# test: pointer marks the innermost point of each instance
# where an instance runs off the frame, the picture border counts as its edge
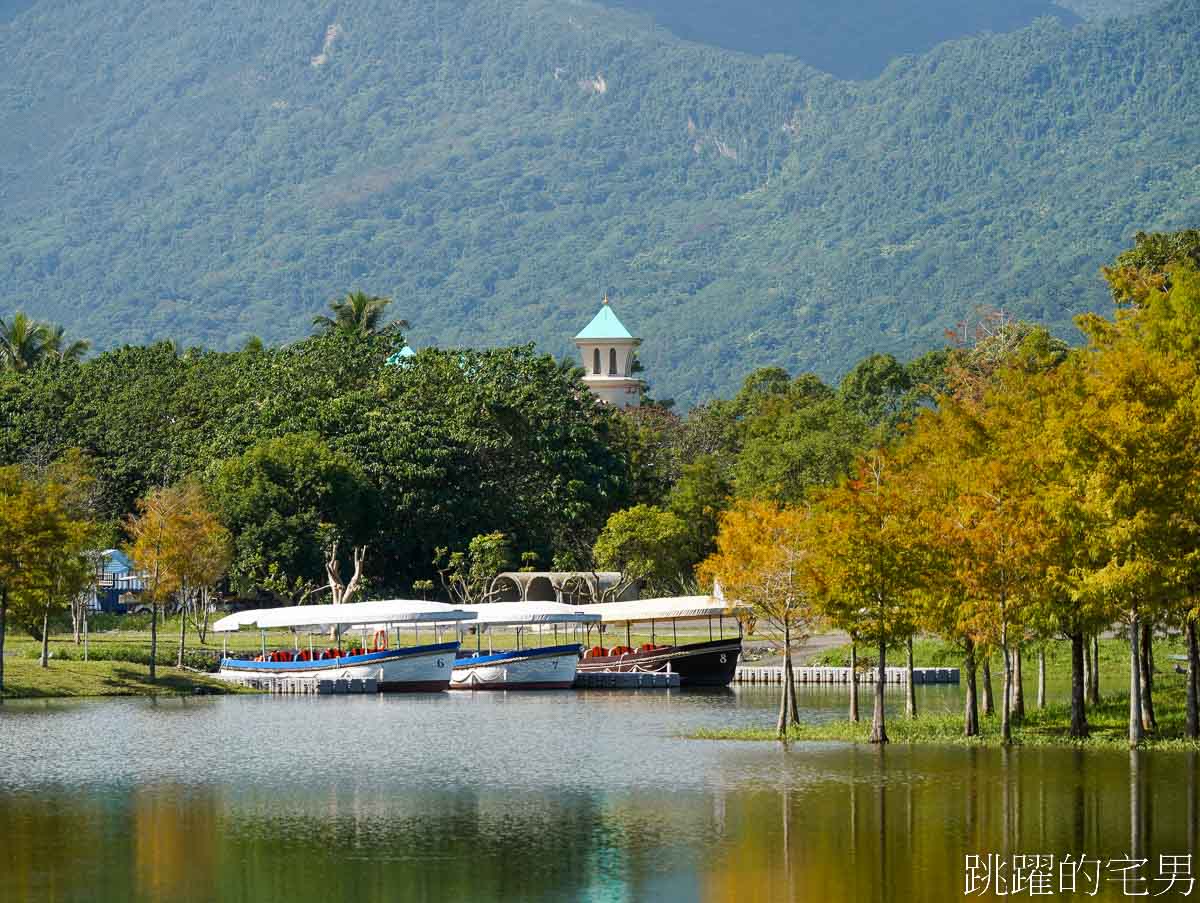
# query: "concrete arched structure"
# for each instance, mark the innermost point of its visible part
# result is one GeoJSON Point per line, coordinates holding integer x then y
{"type": "Point", "coordinates": [507, 589]}
{"type": "Point", "coordinates": [571, 587]}
{"type": "Point", "coordinates": [540, 589]}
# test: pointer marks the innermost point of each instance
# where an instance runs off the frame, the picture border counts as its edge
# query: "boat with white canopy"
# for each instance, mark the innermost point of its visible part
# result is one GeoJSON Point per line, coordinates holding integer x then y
{"type": "Point", "coordinates": [532, 665]}
{"type": "Point", "coordinates": [419, 667]}
{"type": "Point", "coordinates": [708, 663]}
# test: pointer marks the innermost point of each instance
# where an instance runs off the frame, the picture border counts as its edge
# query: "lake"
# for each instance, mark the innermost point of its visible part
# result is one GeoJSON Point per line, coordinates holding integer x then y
{"type": "Point", "coordinates": [588, 796]}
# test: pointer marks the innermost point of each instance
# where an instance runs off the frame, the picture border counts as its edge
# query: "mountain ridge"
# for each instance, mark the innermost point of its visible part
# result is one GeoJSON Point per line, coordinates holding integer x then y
{"type": "Point", "coordinates": [741, 211]}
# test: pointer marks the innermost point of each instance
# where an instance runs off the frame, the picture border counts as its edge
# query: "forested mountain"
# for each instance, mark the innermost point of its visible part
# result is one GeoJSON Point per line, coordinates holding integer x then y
{"type": "Point", "coordinates": [206, 171]}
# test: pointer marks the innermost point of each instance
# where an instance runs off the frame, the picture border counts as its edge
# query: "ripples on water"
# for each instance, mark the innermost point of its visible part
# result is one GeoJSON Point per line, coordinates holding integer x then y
{"type": "Point", "coordinates": [537, 796]}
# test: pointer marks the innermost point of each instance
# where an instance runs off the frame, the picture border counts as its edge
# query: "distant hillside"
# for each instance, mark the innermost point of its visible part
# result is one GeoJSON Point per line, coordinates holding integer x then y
{"type": "Point", "coordinates": [210, 170]}
{"type": "Point", "coordinates": [850, 39]}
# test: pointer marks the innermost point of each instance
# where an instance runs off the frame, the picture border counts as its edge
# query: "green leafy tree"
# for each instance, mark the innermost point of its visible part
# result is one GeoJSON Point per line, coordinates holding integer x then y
{"type": "Point", "coordinates": [469, 576]}
{"type": "Point", "coordinates": [796, 440]}
{"type": "Point", "coordinates": [358, 314]}
{"type": "Point", "coordinates": [644, 543]}
{"type": "Point", "coordinates": [698, 498]}
{"type": "Point", "coordinates": [286, 502]}
{"type": "Point", "coordinates": [22, 342]}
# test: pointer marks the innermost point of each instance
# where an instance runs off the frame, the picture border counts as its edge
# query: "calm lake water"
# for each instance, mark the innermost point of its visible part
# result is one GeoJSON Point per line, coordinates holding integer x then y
{"type": "Point", "coordinates": [525, 796]}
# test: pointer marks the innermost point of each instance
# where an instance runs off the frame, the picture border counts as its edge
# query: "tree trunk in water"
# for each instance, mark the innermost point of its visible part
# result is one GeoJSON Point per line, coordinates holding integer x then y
{"type": "Point", "coordinates": [153, 638]}
{"type": "Point", "coordinates": [1149, 722]}
{"type": "Point", "coordinates": [971, 711]}
{"type": "Point", "coordinates": [989, 704]}
{"type": "Point", "coordinates": [1193, 701]}
{"type": "Point", "coordinates": [878, 729]}
{"type": "Point", "coordinates": [1007, 690]}
{"type": "Point", "coordinates": [1041, 702]}
{"type": "Point", "coordinates": [1079, 725]}
{"type": "Point", "coordinates": [789, 674]}
{"type": "Point", "coordinates": [1135, 684]}
{"type": "Point", "coordinates": [781, 723]}
{"type": "Point", "coordinates": [46, 638]}
{"type": "Point", "coordinates": [1018, 695]}
{"type": "Point", "coordinates": [910, 693]}
{"type": "Point", "coordinates": [854, 683]}
{"type": "Point", "coordinates": [1094, 699]}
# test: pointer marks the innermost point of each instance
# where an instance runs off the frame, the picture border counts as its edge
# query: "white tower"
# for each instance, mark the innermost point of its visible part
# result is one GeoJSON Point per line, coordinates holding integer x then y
{"type": "Point", "coordinates": [607, 351]}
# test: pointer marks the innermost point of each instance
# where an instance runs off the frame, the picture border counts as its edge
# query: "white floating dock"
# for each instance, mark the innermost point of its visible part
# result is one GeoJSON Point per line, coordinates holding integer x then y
{"type": "Point", "coordinates": [309, 686]}
{"type": "Point", "coordinates": [818, 675]}
{"type": "Point", "coordinates": [625, 680]}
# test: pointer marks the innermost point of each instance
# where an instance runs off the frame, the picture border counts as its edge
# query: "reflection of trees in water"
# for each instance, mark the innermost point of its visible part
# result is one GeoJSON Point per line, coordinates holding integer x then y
{"type": "Point", "coordinates": [838, 824]}
{"type": "Point", "coordinates": [899, 824]}
{"type": "Point", "coordinates": [425, 844]}
{"type": "Point", "coordinates": [160, 843]}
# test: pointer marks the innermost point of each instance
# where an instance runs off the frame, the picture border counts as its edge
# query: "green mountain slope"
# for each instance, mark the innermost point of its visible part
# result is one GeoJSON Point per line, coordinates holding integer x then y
{"type": "Point", "coordinates": [209, 170]}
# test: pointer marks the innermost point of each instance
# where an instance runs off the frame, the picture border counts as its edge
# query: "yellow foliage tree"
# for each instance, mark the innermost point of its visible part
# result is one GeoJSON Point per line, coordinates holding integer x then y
{"type": "Point", "coordinates": [180, 547]}
{"type": "Point", "coordinates": [763, 561]}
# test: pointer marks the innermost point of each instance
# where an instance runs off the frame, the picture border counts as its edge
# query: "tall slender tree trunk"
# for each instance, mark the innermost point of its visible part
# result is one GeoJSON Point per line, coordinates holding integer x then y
{"type": "Point", "coordinates": [1041, 699]}
{"type": "Point", "coordinates": [1136, 732]}
{"type": "Point", "coordinates": [1018, 694]}
{"type": "Point", "coordinates": [854, 716]}
{"type": "Point", "coordinates": [781, 723]}
{"type": "Point", "coordinates": [1079, 724]}
{"type": "Point", "coordinates": [3, 628]}
{"type": "Point", "coordinates": [1094, 699]}
{"type": "Point", "coordinates": [910, 691]}
{"type": "Point", "coordinates": [989, 703]}
{"type": "Point", "coordinates": [971, 710]}
{"type": "Point", "coordinates": [790, 676]}
{"type": "Point", "coordinates": [153, 639]}
{"type": "Point", "coordinates": [1006, 694]}
{"type": "Point", "coordinates": [1149, 722]}
{"type": "Point", "coordinates": [45, 661]}
{"type": "Point", "coordinates": [1087, 668]}
{"type": "Point", "coordinates": [182, 628]}
{"type": "Point", "coordinates": [1193, 700]}
{"type": "Point", "coordinates": [878, 728]}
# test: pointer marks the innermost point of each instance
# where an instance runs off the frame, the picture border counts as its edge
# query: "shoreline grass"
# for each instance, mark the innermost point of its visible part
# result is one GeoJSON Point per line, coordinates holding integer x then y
{"type": "Point", "coordinates": [1108, 723]}
{"type": "Point", "coordinates": [24, 678]}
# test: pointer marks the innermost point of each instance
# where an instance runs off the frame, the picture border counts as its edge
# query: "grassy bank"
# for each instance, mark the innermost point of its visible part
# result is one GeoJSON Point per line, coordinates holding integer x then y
{"type": "Point", "coordinates": [118, 654]}
{"type": "Point", "coordinates": [24, 678]}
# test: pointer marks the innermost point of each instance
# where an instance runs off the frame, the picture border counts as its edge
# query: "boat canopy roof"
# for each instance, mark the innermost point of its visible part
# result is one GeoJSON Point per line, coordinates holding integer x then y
{"type": "Point", "coordinates": [322, 617]}
{"type": "Point", "coordinates": [674, 608]}
{"type": "Point", "coordinates": [532, 613]}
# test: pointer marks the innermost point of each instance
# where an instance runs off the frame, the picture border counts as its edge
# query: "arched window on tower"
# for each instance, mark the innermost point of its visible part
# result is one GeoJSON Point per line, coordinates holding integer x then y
{"type": "Point", "coordinates": [596, 361]}
{"type": "Point", "coordinates": [612, 361]}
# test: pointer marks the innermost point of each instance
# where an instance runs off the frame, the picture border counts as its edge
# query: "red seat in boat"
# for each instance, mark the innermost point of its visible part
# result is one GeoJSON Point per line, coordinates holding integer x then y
{"type": "Point", "coordinates": [595, 652]}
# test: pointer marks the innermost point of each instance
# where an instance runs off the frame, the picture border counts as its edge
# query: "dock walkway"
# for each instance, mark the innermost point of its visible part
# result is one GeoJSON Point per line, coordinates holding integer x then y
{"type": "Point", "coordinates": [747, 674]}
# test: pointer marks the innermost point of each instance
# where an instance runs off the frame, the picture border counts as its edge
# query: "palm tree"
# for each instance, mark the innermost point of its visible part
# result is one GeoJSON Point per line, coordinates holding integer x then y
{"type": "Point", "coordinates": [23, 342]}
{"type": "Point", "coordinates": [358, 314]}
{"type": "Point", "coordinates": [55, 345]}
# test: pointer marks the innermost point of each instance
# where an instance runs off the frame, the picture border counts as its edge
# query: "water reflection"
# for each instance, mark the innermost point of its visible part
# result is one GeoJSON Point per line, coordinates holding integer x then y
{"type": "Point", "coordinates": [538, 800]}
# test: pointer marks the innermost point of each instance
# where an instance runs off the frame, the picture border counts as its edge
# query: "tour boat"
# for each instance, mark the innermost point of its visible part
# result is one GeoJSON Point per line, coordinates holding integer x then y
{"type": "Point", "coordinates": [708, 663]}
{"type": "Point", "coordinates": [419, 667]}
{"type": "Point", "coordinates": [530, 666]}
